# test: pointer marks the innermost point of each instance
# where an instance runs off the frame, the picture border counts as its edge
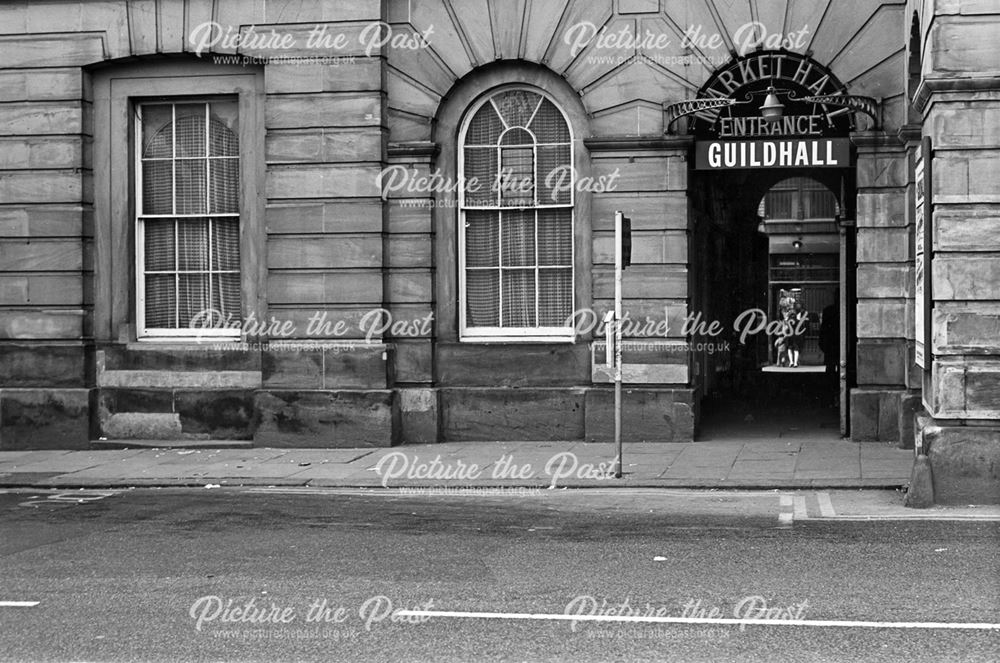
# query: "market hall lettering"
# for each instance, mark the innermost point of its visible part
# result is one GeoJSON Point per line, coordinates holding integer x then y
{"type": "Point", "coordinates": [773, 67]}
{"type": "Point", "coordinates": [792, 153]}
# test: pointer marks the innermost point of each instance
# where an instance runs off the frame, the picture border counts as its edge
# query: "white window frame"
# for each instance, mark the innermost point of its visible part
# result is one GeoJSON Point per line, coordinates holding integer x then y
{"type": "Point", "coordinates": [519, 334]}
{"type": "Point", "coordinates": [179, 333]}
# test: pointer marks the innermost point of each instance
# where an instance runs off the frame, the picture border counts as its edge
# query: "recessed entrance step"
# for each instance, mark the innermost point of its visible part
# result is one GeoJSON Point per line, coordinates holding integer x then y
{"type": "Point", "coordinates": [171, 444]}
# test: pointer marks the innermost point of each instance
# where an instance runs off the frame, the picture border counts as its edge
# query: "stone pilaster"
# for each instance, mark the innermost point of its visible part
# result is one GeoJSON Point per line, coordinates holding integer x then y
{"type": "Point", "coordinates": [884, 287]}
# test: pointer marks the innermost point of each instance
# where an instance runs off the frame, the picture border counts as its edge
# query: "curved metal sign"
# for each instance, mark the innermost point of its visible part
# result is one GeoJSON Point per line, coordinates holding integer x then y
{"type": "Point", "coordinates": [812, 100]}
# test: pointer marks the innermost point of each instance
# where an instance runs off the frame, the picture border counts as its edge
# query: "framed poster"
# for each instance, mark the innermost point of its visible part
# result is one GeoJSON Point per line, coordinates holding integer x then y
{"type": "Point", "coordinates": [923, 250]}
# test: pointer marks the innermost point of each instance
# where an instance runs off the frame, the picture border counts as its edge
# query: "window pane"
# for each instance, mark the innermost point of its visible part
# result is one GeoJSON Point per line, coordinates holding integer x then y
{"type": "Point", "coordinates": [518, 238]}
{"type": "Point", "coordinates": [820, 205]}
{"type": "Point", "coordinates": [223, 140]}
{"type": "Point", "coordinates": [482, 298]}
{"type": "Point", "coordinates": [192, 297]}
{"type": "Point", "coordinates": [555, 237]}
{"type": "Point", "coordinates": [517, 176]}
{"type": "Point", "coordinates": [549, 126]}
{"type": "Point", "coordinates": [226, 244]}
{"type": "Point", "coordinates": [517, 106]}
{"type": "Point", "coordinates": [157, 187]}
{"type": "Point", "coordinates": [555, 297]}
{"type": "Point", "coordinates": [555, 175]}
{"type": "Point", "coordinates": [482, 239]}
{"type": "Point", "coordinates": [224, 177]}
{"type": "Point", "coordinates": [517, 137]}
{"type": "Point", "coordinates": [480, 176]}
{"type": "Point", "coordinates": [779, 204]}
{"type": "Point", "coordinates": [161, 300]}
{"type": "Point", "coordinates": [189, 128]}
{"type": "Point", "coordinates": [157, 135]}
{"type": "Point", "coordinates": [159, 247]}
{"type": "Point", "coordinates": [226, 295]}
{"type": "Point", "coordinates": [518, 298]}
{"type": "Point", "coordinates": [192, 241]}
{"type": "Point", "coordinates": [485, 127]}
{"type": "Point", "coordinates": [191, 186]}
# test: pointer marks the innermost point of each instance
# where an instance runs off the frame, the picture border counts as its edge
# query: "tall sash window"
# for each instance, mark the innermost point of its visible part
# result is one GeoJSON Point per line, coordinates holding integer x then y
{"type": "Point", "coordinates": [516, 219]}
{"type": "Point", "coordinates": [188, 218]}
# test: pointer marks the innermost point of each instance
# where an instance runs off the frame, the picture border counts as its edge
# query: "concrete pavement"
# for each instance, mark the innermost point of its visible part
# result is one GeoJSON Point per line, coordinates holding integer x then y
{"type": "Point", "coordinates": [775, 463]}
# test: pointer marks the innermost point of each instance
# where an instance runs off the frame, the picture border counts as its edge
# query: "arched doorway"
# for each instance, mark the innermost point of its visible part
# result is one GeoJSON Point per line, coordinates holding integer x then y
{"type": "Point", "coordinates": [771, 187]}
{"type": "Point", "coordinates": [767, 247]}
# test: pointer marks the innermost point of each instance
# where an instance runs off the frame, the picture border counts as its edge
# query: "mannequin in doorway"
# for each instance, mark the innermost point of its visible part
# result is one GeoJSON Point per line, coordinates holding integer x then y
{"type": "Point", "coordinates": [799, 320]}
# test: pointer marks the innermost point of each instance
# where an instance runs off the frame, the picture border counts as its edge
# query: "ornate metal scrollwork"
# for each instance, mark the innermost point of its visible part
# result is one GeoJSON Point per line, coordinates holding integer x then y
{"type": "Point", "coordinates": [853, 102]}
{"type": "Point", "coordinates": [681, 108]}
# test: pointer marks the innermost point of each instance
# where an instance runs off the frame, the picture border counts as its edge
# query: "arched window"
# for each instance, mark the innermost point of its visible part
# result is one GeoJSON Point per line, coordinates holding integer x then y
{"type": "Point", "coordinates": [799, 199]}
{"type": "Point", "coordinates": [516, 219]}
{"type": "Point", "coordinates": [188, 217]}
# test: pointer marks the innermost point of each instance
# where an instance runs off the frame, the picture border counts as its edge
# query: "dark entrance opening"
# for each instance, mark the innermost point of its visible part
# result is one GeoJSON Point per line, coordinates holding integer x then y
{"type": "Point", "coordinates": [772, 190]}
{"type": "Point", "coordinates": [770, 264]}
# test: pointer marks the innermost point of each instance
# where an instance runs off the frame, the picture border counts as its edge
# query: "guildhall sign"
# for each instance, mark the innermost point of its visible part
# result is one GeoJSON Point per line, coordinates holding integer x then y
{"type": "Point", "coordinates": [741, 133]}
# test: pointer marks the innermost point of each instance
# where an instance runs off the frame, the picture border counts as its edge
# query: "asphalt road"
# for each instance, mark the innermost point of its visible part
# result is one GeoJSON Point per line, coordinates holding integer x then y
{"type": "Point", "coordinates": [234, 575]}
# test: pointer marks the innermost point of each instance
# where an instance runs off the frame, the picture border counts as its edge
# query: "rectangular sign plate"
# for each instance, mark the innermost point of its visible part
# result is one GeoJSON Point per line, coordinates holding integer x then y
{"type": "Point", "coordinates": [776, 153]}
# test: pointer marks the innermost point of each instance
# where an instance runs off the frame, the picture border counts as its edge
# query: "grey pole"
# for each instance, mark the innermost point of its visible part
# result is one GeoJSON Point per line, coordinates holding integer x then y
{"type": "Point", "coordinates": [618, 345]}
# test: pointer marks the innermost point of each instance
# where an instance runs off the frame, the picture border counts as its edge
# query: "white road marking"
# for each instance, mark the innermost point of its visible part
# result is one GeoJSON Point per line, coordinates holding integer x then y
{"type": "Point", "coordinates": [921, 516]}
{"type": "Point", "coordinates": [825, 505]}
{"type": "Point", "coordinates": [18, 604]}
{"type": "Point", "coordinates": [841, 623]}
{"type": "Point", "coordinates": [801, 512]}
{"type": "Point", "coordinates": [395, 490]}
{"type": "Point", "coordinates": [786, 517]}
{"type": "Point", "coordinates": [68, 498]}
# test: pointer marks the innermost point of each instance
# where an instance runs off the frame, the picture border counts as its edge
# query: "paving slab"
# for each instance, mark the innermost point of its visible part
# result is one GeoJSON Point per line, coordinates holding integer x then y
{"type": "Point", "coordinates": [317, 456]}
{"type": "Point", "coordinates": [884, 453]}
{"type": "Point", "coordinates": [74, 461]}
{"type": "Point", "coordinates": [815, 475]}
{"type": "Point", "coordinates": [764, 466]}
{"type": "Point", "coordinates": [26, 479]}
{"type": "Point", "coordinates": [227, 470]}
{"type": "Point", "coordinates": [756, 449]}
{"type": "Point", "coordinates": [26, 457]}
{"type": "Point", "coordinates": [885, 472]}
{"type": "Point", "coordinates": [327, 471]}
{"type": "Point", "coordinates": [6, 456]}
{"type": "Point", "coordinates": [665, 449]}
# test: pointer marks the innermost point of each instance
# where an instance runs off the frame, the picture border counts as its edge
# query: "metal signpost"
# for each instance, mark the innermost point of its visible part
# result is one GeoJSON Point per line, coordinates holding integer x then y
{"type": "Point", "coordinates": [623, 256]}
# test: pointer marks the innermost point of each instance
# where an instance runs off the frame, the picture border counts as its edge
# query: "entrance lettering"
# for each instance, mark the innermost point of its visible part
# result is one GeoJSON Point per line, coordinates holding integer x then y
{"type": "Point", "coordinates": [792, 125]}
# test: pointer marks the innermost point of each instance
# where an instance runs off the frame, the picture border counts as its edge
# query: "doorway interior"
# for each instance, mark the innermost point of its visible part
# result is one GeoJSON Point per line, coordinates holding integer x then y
{"type": "Point", "coordinates": [767, 263]}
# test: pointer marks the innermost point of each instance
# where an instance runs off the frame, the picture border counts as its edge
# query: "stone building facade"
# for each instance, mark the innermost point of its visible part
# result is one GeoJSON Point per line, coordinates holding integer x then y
{"type": "Point", "coordinates": [288, 167]}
